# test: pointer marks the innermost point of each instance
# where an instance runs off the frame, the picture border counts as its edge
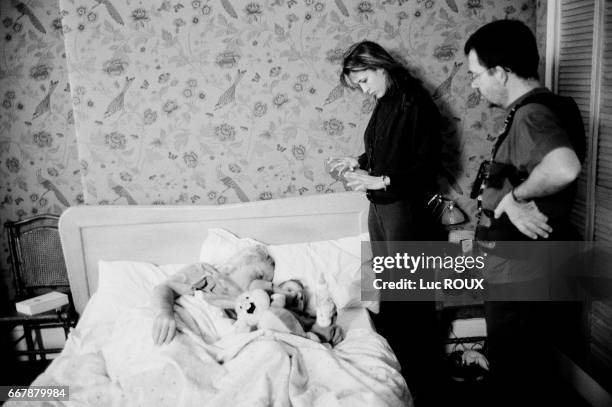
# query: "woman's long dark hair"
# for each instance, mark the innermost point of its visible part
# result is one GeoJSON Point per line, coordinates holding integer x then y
{"type": "Point", "coordinates": [370, 55]}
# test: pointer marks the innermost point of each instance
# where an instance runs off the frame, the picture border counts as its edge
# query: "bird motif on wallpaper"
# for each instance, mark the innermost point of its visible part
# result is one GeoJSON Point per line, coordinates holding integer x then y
{"type": "Point", "coordinates": [117, 103]}
{"type": "Point", "coordinates": [230, 183]}
{"type": "Point", "coordinates": [49, 186]}
{"type": "Point", "coordinates": [121, 192]}
{"type": "Point", "coordinates": [25, 10]}
{"type": "Point", "coordinates": [229, 8]}
{"type": "Point", "coordinates": [335, 94]}
{"type": "Point", "coordinates": [452, 5]}
{"type": "Point", "coordinates": [342, 8]}
{"type": "Point", "coordinates": [445, 86]}
{"type": "Point", "coordinates": [45, 104]}
{"type": "Point", "coordinates": [112, 11]}
{"type": "Point", "coordinates": [229, 96]}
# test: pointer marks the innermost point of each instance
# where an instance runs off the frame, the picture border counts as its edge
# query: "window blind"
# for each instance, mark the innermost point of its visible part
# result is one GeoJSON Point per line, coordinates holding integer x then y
{"type": "Point", "coordinates": [603, 185]}
{"type": "Point", "coordinates": [574, 77]}
{"type": "Point", "coordinates": [583, 70]}
{"type": "Point", "coordinates": [601, 325]}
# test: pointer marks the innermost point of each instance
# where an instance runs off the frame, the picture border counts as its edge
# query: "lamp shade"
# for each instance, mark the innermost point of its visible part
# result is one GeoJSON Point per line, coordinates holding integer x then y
{"type": "Point", "coordinates": [452, 215]}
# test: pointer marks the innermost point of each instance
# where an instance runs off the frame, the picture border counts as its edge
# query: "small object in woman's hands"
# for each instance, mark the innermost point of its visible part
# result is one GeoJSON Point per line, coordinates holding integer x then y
{"type": "Point", "coordinates": [357, 180]}
{"type": "Point", "coordinates": [330, 164]}
{"type": "Point", "coordinates": [337, 165]}
{"type": "Point", "coordinates": [349, 175]}
{"type": "Point", "coordinates": [336, 169]}
{"type": "Point", "coordinates": [355, 176]}
{"type": "Point", "coordinates": [341, 164]}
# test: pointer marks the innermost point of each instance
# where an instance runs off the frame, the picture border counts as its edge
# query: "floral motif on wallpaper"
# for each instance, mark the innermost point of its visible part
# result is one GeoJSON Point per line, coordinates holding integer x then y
{"type": "Point", "coordinates": [39, 166]}
{"type": "Point", "coordinates": [216, 101]}
{"type": "Point", "coordinates": [204, 102]}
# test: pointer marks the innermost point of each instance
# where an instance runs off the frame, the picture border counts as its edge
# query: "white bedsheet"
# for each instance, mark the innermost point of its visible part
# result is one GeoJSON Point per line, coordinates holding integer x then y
{"type": "Point", "coordinates": [118, 365]}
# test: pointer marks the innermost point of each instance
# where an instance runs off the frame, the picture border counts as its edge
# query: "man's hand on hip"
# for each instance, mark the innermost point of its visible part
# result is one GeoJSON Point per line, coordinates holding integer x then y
{"type": "Point", "coordinates": [525, 216]}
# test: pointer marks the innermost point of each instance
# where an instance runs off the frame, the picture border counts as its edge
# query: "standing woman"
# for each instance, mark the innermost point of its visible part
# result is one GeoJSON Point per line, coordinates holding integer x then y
{"type": "Point", "coordinates": [398, 172]}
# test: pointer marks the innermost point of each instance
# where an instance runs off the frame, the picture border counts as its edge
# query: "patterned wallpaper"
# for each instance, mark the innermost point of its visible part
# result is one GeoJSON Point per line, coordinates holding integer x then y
{"type": "Point", "coordinates": [216, 101]}
{"type": "Point", "coordinates": [207, 102]}
{"type": "Point", "coordinates": [39, 166]}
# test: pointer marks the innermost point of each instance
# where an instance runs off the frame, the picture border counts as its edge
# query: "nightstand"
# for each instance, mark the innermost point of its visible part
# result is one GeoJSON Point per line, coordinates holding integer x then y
{"type": "Point", "coordinates": [32, 327]}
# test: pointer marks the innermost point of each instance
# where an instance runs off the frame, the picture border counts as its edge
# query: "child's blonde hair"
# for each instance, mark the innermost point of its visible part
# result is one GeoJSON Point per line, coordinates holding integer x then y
{"type": "Point", "coordinates": [254, 261]}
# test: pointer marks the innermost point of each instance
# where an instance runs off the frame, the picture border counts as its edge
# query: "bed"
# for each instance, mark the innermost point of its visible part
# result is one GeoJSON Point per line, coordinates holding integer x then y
{"type": "Point", "coordinates": [116, 254]}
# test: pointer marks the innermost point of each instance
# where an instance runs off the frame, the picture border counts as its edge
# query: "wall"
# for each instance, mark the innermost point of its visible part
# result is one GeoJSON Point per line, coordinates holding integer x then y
{"type": "Point", "coordinates": [204, 102]}
{"type": "Point", "coordinates": [39, 167]}
{"type": "Point", "coordinates": [211, 102]}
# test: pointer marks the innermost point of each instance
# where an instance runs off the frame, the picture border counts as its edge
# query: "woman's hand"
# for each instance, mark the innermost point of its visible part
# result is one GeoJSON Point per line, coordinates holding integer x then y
{"type": "Point", "coordinates": [164, 328]}
{"type": "Point", "coordinates": [360, 181]}
{"type": "Point", "coordinates": [341, 164]}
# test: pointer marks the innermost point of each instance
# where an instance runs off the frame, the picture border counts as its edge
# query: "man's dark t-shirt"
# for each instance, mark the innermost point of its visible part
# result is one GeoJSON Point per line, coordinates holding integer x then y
{"type": "Point", "coordinates": [535, 131]}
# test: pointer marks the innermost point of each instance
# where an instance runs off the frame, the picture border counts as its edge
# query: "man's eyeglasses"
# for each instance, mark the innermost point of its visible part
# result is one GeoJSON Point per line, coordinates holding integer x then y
{"type": "Point", "coordinates": [474, 76]}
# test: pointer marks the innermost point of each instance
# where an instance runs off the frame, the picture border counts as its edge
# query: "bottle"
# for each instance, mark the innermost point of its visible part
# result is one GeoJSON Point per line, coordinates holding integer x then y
{"type": "Point", "coordinates": [326, 308]}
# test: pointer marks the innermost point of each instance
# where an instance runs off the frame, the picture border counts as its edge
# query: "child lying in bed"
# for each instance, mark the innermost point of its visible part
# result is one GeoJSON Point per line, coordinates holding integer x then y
{"type": "Point", "coordinates": [323, 326]}
{"type": "Point", "coordinates": [221, 285]}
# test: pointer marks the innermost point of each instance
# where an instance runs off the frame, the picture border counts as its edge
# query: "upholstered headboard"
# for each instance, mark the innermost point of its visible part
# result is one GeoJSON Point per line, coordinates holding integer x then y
{"type": "Point", "coordinates": [174, 234]}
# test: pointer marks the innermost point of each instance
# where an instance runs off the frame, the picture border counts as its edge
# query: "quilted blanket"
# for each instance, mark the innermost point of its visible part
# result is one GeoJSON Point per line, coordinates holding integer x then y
{"type": "Point", "coordinates": [210, 365]}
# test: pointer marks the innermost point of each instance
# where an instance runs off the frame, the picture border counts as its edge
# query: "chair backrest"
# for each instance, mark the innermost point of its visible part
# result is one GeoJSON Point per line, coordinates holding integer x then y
{"type": "Point", "coordinates": [36, 255]}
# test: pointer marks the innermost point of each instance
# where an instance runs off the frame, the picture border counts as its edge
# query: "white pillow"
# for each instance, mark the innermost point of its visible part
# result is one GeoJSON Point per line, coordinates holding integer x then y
{"type": "Point", "coordinates": [123, 285]}
{"type": "Point", "coordinates": [339, 260]}
{"type": "Point", "coordinates": [220, 245]}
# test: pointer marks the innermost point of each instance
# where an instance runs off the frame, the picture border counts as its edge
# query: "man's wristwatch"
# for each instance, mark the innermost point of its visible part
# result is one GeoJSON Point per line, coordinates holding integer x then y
{"type": "Point", "coordinates": [386, 181]}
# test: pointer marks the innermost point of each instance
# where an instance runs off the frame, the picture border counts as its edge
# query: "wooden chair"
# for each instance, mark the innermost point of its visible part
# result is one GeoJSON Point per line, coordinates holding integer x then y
{"type": "Point", "coordinates": [38, 267]}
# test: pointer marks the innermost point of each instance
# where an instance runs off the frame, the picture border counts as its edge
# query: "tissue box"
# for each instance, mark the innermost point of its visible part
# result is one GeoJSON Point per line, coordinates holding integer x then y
{"type": "Point", "coordinates": [42, 303]}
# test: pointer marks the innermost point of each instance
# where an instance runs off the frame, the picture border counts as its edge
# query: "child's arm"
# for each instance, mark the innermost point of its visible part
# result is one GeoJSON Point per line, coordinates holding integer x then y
{"type": "Point", "coordinates": [185, 281]}
{"type": "Point", "coordinates": [164, 325]}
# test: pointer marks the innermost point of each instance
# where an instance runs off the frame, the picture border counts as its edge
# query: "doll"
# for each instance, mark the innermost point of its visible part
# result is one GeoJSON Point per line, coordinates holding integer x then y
{"type": "Point", "coordinates": [284, 311]}
{"type": "Point", "coordinates": [256, 309]}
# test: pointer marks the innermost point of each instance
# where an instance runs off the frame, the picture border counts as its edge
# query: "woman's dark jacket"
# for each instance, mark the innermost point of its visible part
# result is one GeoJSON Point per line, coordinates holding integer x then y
{"type": "Point", "coordinates": [402, 141]}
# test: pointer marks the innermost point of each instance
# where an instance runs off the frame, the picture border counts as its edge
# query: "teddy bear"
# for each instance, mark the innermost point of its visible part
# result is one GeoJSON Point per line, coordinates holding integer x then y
{"type": "Point", "coordinates": [256, 309]}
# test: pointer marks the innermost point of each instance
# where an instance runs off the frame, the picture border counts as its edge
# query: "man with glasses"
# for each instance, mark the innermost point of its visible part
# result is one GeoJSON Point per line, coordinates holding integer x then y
{"type": "Point", "coordinates": [525, 191]}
